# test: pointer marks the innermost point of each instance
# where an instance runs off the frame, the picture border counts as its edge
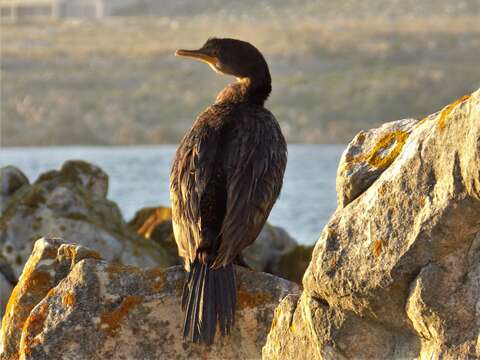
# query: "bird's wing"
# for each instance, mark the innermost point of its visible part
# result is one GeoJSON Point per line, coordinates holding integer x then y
{"type": "Point", "coordinates": [256, 156]}
{"type": "Point", "coordinates": [192, 169]}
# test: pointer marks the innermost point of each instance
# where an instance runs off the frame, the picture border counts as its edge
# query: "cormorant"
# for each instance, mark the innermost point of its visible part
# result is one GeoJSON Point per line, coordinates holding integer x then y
{"type": "Point", "coordinates": [226, 176]}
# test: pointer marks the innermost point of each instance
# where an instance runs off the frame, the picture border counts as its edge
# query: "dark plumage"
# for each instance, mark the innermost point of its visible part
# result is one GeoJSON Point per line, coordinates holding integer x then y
{"type": "Point", "coordinates": [227, 174]}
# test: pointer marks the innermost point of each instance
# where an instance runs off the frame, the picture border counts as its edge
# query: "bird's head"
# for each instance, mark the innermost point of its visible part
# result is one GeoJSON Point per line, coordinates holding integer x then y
{"type": "Point", "coordinates": [231, 57]}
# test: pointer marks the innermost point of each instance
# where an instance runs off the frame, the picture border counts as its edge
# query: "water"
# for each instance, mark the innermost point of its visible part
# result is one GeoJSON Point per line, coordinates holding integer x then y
{"type": "Point", "coordinates": [139, 178]}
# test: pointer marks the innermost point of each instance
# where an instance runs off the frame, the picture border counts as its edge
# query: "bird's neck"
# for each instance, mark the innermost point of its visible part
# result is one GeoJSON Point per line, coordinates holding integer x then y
{"type": "Point", "coordinates": [252, 90]}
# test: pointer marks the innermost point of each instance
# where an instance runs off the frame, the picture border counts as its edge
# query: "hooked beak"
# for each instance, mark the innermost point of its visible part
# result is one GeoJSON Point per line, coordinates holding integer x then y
{"type": "Point", "coordinates": [197, 54]}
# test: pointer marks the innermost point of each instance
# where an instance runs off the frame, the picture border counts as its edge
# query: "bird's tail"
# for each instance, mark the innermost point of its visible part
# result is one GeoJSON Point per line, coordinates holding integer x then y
{"type": "Point", "coordinates": [209, 296]}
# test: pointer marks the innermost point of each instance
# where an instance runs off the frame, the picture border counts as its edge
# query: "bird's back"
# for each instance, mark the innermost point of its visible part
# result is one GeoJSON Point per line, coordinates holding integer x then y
{"type": "Point", "coordinates": [239, 147]}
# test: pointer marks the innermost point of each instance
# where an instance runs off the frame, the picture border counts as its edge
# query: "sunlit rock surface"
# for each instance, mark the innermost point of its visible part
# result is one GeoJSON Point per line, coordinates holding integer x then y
{"type": "Point", "coordinates": [367, 156]}
{"type": "Point", "coordinates": [395, 273]}
{"type": "Point", "coordinates": [49, 263]}
{"type": "Point", "coordinates": [70, 304]}
{"type": "Point", "coordinates": [274, 251]}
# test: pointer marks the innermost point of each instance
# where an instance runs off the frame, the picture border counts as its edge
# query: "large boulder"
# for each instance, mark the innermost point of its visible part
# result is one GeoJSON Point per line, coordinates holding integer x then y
{"type": "Point", "coordinates": [274, 251]}
{"type": "Point", "coordinates": [395, 273]}
{"type": "Point", "coordinates": [68, 203]}
{"type": "Point", "coordinates": [71, 203]}
{"type": "Point", "coordinates": [70, 304]}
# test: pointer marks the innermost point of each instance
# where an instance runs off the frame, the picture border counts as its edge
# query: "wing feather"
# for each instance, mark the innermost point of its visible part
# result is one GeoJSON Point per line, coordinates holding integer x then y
{"type": "Point", "coordinates": [255, 162]}
{"type": "Point", "coordinates": [191, 171]}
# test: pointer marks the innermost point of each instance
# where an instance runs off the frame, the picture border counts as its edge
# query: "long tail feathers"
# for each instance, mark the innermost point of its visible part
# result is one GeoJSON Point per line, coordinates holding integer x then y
{"type": "Point", "coordinates": [209, 296]}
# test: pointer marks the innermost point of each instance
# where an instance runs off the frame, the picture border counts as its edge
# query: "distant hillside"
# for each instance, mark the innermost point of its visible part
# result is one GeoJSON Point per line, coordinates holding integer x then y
{"type": "Point", "coordinates": [336, 68]}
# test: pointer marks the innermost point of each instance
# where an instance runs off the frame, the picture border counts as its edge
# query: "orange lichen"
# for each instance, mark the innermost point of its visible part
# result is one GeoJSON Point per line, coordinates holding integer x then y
{"type": "Point", "coordinates": [114, 269]}
{"type": "Point", "coordinates": [377, 247]}
{"type": "Point", "coordinates": [391, 143]}
{"type": "Point", "coordinates": [248, 299]}
{"type": "Point", "coordinates": [447, 110]}
{"type": "Point", "coordinates": [382, 190]}
{"type": "Point", "coordinates": [68, 299]}
{"type": "Point", "coordinates": [33, 325]}
{"type": "Point", "coordinates": [112, 319]}
{"type": "Point", "coordinates": [422, 201]}
{"type": "Point", "coordinates": [274, 323]}
{"type": "Point", "coordinates": [159, 278]}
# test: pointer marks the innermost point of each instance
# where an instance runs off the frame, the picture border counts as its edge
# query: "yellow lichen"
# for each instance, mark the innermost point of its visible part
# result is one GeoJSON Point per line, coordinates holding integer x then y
{"type": "Point", "coordinates": [382, 153]}
{"type": "Point", "coordinates": [68, 299]}
{"type": "Point", "coordinates": [447, 110]}
{"type": "Point", "coordinates": [113, 318]}
{"type": "Point", "coordinates": [391, 143]}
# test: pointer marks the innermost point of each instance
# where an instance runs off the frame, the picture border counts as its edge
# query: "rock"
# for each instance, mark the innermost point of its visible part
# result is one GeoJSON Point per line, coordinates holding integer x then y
{"type": "Point", "coordinates": [86, 308]}
{"type": "Point", "coordinates": [88, 176]}
{"type": "Point", "coordinates": [155, 224]}
{"type": "Point", "coordinates": [274, 251]}
{"type": "Point", "coordinates": [71, 203]}
{"type": "Point", "coordinates": [395, 274]}
{"type": "Point", "coordinates": [11, 180]}
{"type": "Point", "coordinates": [367, 156]}
{"type": "Point", "coordinates": [50, 262]}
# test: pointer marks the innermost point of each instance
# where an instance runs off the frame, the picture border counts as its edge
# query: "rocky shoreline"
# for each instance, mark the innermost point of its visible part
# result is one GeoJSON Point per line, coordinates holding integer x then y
{"type": "Point", "coordinates": [395, 273]}
{"type": "Point", "coordinates": [71, 203]}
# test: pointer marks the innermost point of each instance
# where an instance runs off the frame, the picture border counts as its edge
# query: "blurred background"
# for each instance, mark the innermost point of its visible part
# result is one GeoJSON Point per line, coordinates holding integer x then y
{"type": "Point", "coordinates": [79, 75]}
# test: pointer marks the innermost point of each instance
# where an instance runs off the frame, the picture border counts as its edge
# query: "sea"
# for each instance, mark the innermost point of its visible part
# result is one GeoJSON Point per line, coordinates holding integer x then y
{"type": "Point", "coordinates": [139, 175]}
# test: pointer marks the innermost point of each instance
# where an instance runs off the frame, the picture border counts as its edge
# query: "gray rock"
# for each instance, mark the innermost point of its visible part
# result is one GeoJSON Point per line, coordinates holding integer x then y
{"type": "Point", "coordinates": [70, 203]}
{"type": "Point", "coordinates": [99, 310]}
{"type": "Point", "coordinates": [276, 252]}
{"type": "Point", "coordinates": [396, 273]}
{"type": "Point", "coordinates": [11, 180]}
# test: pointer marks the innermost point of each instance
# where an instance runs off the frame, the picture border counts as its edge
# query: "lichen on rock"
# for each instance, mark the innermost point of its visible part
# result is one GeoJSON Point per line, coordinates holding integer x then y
{"type": "Point", "coordinates": [69, 203]}
{"type": "Point", "coordinates": [368, 155]}
{"type": "Point", "coordinates": [92, 309]}
{"type": "Point", "coordinates": [395, 273]}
